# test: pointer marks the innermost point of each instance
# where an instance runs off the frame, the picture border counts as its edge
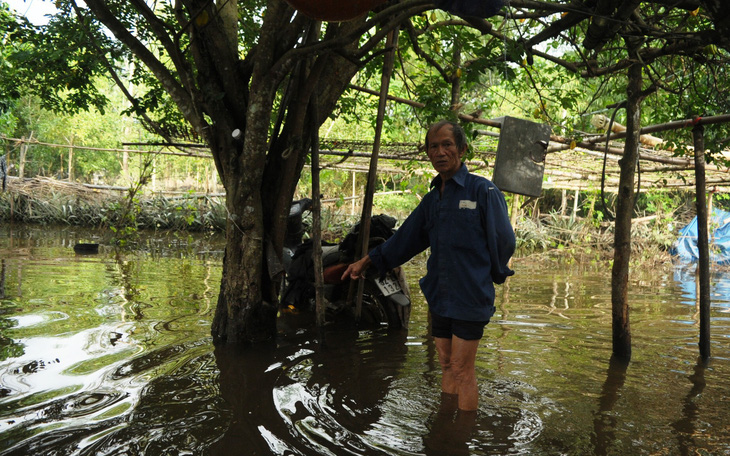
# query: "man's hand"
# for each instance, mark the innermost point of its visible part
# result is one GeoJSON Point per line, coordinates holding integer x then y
{"type": "Point", "coordinates": [357, 269]}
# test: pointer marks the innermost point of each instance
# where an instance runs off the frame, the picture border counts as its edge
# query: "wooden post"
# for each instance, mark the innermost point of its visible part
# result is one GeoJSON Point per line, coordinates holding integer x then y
{"type": "Point", "coordinates": [710, 195]}
{"type": "Point", "coordinates": [2, 278]}
{"type": "Point", "coordinates": [71, 160]}
{"type": "Point", "coordinates": [206, 173]}
{"type": "Point", "coordinates": [125, 167]}
{"type": "Point", "coordinates": [515, 209]}
{"type": "Point", "coordinates": [214, 178]}
{"type": "Point", "coordinates": [154, 175]}
{"type": "Point", "coordinates": [354, 194]}
{"type": "Point", "coordinates": [367, 205]}
{"type": "Point", "coordinates": [514, 214]}
{"type": "Point", "coordinates": [23, 151]}
{"type": "Point", "coordinates": [702, 241]}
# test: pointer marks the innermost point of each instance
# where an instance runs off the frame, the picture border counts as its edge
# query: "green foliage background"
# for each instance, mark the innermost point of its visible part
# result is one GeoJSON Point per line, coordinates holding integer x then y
{"type": "Point", "coordinates": [495, 77]}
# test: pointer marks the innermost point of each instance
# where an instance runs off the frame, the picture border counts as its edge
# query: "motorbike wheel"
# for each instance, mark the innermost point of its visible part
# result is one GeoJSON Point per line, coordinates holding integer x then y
{"type": "Point", "coordinates": [377, 309]}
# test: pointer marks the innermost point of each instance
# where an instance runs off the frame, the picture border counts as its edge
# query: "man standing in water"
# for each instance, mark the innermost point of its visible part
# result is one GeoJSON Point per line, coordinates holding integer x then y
{"type": "Point", "coordinates": [464, 220]}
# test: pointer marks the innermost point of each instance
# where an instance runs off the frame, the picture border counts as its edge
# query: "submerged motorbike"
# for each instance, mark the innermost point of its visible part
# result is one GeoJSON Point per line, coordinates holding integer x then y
{"type": "Point", "coordinates": [385, 297]}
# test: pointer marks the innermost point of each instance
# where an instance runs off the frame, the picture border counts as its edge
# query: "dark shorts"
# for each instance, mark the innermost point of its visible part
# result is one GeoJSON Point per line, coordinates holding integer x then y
{"type": "Point", "coordinates": [445, 327]}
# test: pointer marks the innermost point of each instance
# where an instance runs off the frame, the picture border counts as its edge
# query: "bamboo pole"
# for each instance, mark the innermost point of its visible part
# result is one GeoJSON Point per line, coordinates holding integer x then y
{"type": "Point", "coordinates": [317, 218]}
{"type": "Point", "coordinates": [601, 122]}
{"type": "Point", "coordinates": [557, 144]}
{"type": "Point", "coordinates": [673, 125]}
{"type": "Point", "coordinates": [702, 241]}
{"type": "Point", "coordinates": [24, 141]}
{"type": "Point", "coordinates": [367, 206]}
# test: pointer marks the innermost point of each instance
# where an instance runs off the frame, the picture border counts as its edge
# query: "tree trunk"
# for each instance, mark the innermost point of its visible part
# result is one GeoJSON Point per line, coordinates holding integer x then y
{"type": "Point", "coordinates": [242, 316]}
{"type": "Point", "coordinates": [218, 92]}
{"type": "Point", "coordinates": [624, 212]}
{"type": "Point", "coordinates": [261, 173]}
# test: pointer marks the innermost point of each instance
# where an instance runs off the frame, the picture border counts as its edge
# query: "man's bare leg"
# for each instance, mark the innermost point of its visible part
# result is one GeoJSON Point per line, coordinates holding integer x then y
{"type": "Point", "coordinates": [457, 358]}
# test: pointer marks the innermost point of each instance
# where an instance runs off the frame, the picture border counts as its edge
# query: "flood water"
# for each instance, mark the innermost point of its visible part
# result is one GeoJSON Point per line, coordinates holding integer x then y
{"type": "Point", "coordinates": [110, 354]}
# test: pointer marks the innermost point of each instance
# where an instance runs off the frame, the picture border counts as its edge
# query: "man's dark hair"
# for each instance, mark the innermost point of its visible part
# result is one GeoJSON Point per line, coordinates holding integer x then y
{"type": "Point", "coordinates": [456, 129]}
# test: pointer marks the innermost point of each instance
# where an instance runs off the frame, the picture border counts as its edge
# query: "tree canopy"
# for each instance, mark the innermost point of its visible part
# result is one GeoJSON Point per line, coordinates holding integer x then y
{"type": "Point", "coordinates": [567, 53]}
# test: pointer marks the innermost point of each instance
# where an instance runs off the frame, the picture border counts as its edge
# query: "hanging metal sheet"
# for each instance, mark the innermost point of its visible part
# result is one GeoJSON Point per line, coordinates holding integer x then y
{"type": "Point", "coordinates": [520, 161]}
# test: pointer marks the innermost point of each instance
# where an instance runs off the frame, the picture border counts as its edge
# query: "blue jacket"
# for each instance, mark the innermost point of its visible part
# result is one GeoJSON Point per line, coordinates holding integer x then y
{"type": "Point", "coordinates": [471, 241]}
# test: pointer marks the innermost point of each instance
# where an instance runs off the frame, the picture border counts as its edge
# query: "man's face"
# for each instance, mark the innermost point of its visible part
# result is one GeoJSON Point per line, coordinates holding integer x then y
{"type": "Point", "coordinates": [443, 153]}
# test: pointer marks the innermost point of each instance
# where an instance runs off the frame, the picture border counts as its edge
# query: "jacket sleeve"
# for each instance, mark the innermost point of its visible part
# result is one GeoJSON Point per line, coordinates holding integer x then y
{"type": "Point", "coordinates": [500, 234]}
{"type": "Point", "coordinates": [408, 241]}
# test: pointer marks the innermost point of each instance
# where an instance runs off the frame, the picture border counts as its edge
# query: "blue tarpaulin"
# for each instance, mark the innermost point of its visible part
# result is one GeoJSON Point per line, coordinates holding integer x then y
{"type": "Point", "coordinates": [686, 246]}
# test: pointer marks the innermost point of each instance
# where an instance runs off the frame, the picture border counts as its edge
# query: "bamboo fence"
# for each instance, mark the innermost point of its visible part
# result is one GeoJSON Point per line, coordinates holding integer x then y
{"type": "Point", "coordinates": [569, 165]}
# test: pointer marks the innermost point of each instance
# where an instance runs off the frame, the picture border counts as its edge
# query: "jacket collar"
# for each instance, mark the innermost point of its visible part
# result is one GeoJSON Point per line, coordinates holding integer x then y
{"type": "Point", "coordinates": [459, 177]}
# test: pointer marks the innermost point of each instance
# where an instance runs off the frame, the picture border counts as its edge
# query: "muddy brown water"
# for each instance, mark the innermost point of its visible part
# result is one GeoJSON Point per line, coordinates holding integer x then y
{"type": "Point", "coordinates": [110, 354]}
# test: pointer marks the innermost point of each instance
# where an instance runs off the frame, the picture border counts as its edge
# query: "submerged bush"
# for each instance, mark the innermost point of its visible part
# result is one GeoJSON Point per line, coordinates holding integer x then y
{"type": "Point", "coordinates": [46, 201]}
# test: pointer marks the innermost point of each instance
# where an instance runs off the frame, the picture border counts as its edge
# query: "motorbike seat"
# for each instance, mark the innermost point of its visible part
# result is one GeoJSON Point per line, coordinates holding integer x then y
{"type": "Point", "coordinates": [330, 255]}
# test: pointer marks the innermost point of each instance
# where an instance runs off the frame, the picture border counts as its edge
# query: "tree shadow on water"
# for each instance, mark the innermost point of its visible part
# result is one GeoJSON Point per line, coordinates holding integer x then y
{"type": "Point", "coordinates": [605, 422]}
{"type": "Point", "coordinates": [308, 394]}
{"type": "Point", "coordinates": [244, 378]}
{"type": "Point", "coordinates": [685, 426]}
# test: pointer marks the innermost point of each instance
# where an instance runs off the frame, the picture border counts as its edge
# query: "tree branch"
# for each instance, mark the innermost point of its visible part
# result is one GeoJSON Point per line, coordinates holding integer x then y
{"type": "Point", "coordinates": [162, 33]}
{"type": "Point", "coordinates": [413, 36]}
{"type": "Point", "coordinates": [385, 20]}
{"type": "Point", "coordinates": [167, 79]}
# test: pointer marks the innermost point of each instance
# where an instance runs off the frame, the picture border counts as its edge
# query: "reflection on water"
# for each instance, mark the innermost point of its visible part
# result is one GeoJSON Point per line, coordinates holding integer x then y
{"type": "Point", "coordinates": [110, 354]}
{"type": "Point", "coordinates": [685, 426]}
{"type": "Point", "coordinates": [605, 422]}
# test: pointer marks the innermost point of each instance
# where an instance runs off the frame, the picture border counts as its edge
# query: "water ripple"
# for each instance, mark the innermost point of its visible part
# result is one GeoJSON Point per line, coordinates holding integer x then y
{"type": "Point", "coordinates": [112, 356]}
